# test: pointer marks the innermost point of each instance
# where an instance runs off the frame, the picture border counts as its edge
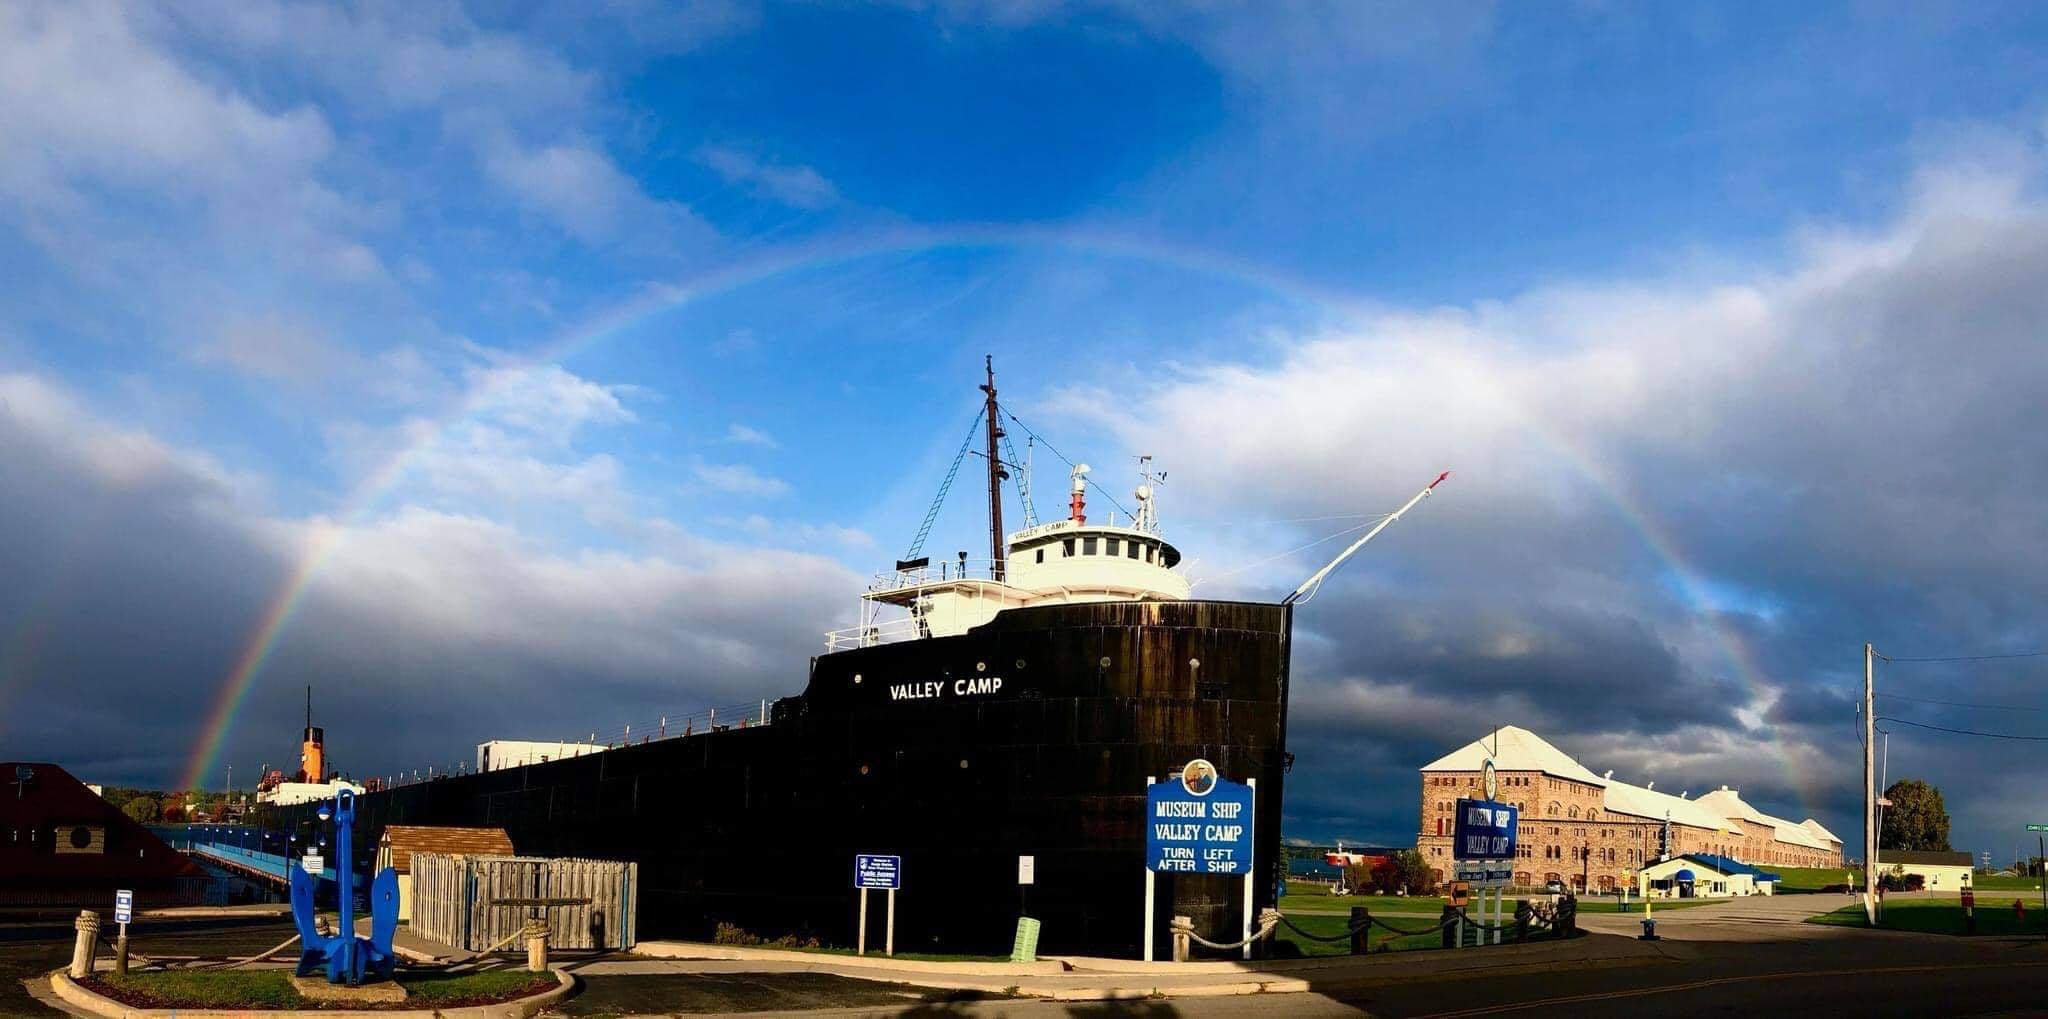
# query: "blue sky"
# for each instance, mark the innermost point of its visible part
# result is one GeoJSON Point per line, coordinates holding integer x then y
{"type": "Point", "coordinates": [671, 315]}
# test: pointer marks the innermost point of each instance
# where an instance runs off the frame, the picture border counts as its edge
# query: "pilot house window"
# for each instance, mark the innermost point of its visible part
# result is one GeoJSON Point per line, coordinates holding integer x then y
{"type": "Point", "coordinates": [1041, 555]}
{"type": "Point", "coordinates": [1087, 546]}
{"type": "Point", "coordinates": [1067, 548]}
{"type": "Point", "coordinates": [1131, 551]}
{"type": "Point", "coordinates": [1113, 549]}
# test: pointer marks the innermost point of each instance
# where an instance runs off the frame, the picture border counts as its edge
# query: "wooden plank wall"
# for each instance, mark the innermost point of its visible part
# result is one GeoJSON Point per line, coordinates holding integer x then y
{"type": "Point", "coordinates": [453, 896]}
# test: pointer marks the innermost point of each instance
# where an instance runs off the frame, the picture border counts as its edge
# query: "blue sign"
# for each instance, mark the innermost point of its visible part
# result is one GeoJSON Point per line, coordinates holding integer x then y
{"type": "Point", "coordinates": [1199, 822]}
{"type": "Point", "coordinates": [124, 906]}
{"type": "Point", "coordinates": [1485, 830]}
{"type": "Point", "coordinates": [877, 871]}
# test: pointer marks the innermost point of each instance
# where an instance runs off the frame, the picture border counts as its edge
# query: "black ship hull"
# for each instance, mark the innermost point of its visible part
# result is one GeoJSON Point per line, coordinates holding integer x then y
{"type": "Point", "coordinates": [1032, 735]}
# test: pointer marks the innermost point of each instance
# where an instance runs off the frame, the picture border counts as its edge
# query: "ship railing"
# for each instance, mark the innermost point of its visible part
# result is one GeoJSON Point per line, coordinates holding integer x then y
{"type": "Point", "coordinates": [652, 729]}
{"type": "Point", "coordinates": [872, 634]}
{"type": "Point", "coordinates": [932, 572]}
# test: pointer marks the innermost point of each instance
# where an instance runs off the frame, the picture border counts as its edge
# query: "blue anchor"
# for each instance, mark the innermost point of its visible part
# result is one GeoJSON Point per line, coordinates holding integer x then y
{"type": "Point", "coordinates": [346, 956]}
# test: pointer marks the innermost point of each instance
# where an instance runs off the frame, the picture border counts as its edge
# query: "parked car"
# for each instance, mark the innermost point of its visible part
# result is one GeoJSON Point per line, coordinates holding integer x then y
{"type": "Point", "coordinates": [1554, 887]}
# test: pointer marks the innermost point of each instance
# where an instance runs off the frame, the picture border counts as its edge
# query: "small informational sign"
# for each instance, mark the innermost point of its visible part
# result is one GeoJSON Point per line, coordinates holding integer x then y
{"type": "Point", "coordinates": [1199, 822]}
{"type": "Point", "coordinates": [872, 871]}
{"type": "Point", "coordinates": [124, 906]}
{"type": "Point", "coordinates": [1485, 830]}
{"type": "Point", "coordinates": [1485, 877]}
{"type": "Point", "coordinates": [2037, 827]}
{"type": "Point", "coordinates": [1027, 870]}
{"type": "Point", "coordinates": [315, 863]}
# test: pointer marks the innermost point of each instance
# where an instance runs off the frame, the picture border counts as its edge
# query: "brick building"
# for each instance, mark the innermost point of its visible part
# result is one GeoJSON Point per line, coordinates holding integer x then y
{"type": "Point", "coordinates": [1589, 831]}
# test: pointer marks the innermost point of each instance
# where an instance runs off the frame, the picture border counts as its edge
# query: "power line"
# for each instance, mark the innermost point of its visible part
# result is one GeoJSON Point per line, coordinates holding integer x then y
{"type": "Point", "coordinates": [1040, 439]}
{"type": "Point", "coordinates": [1970, 658]}
{"type": "Point", "coordinates": [1961, 704]}
{"type": "Point", "coordinates": [1962, 732]}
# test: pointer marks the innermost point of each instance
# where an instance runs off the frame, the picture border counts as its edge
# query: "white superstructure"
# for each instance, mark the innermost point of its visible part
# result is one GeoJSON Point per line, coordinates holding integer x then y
{"type": "Point", "coordinates": [1062, 561]}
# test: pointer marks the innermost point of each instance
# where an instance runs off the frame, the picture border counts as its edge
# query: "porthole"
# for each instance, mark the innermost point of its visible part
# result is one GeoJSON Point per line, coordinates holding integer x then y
{"type": "Point", "coordinates": [1020, 663]}
{"type": "Point", "coordinates": [1194, 663]}
{"type": "Point", "coordinates": [963, 762]}
{"type": "Point", "coordinates": [863, 769]}
{"type": "Point", "coordinates": [1104, 663]}
{"type": "Point", "coordinates": [981, 666]}
{"type": "Point", "coordinates": [81, 838]}
{"type": "Point", "coordinates": [856, 679]}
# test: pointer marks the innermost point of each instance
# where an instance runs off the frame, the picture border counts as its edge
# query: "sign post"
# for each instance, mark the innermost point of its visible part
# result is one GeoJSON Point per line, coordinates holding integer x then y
{"type": "Point", "coordinates": [1483, 854]}
{"type": "Point", "coordinates": [124, 911]}
{"type": "Point", "coordinates": [1151, 878]}
{"type": "Point", "coordinates": [1199, 823]}
{"type": "Point", "coordinates": [877, 871]}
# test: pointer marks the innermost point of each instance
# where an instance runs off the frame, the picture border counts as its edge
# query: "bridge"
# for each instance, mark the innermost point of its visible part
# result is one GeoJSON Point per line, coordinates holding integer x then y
{"type": "Point", "coordinates": [250, 862]}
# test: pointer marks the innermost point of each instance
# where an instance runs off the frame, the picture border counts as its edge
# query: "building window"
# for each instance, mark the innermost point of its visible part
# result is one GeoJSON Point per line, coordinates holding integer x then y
{"type": "Point", "coordinates": [1574, 812]}
{"type": "Point", "coordinates": [1087, 546]}
{"type": "Point", "coordinates": [1113, 549]}
{"type": "Point", "coordinates": [1553, 808]}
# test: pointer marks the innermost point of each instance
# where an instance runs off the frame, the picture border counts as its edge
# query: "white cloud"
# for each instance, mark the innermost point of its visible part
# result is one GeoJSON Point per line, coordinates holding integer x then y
{"type": "Point", "coordinates": [274, 349]}
{"type": "Point", "coordinates": [739, 479]}
{"type": "Point", "coordinates": [794, 185]}
{"type": "Point", "coordinates": [579, 188]}
{"type": "Point", "coordinates": [747, 436]}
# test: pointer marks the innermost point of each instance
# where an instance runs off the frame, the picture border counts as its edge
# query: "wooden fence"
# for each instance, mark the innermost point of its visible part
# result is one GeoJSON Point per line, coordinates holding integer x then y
{"type": "Point", "coordinates": [455, 899]}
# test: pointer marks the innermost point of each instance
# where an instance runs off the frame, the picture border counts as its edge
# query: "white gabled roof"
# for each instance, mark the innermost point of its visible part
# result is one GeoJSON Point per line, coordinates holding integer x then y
{"type": "Point", "coordinates": [1638, 801]}
{"type": "Point", "coordinates": [1815, 827]}
{"type": "Point", "coordinates": [1514, 748]}
{"type": "Point", "coordinates": [1726, 801]}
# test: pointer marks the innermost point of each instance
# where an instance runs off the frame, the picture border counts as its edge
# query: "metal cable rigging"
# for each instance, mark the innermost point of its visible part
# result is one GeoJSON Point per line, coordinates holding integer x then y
{"type": "Point", "coordinates": [931, 515]}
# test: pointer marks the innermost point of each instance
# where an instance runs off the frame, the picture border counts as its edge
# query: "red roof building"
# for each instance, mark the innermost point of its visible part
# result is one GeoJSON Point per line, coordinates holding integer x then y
{"type": "Point", "coordinates": [62, 845]}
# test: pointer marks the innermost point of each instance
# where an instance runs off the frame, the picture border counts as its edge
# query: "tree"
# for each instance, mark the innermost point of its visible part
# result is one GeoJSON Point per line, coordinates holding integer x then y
{"type": "Point", "coordinates": [144, 809]}
{"type": "Point", "coordinates": [174, 807]}
{"type": "Point", "coordinates": [1916, 819]}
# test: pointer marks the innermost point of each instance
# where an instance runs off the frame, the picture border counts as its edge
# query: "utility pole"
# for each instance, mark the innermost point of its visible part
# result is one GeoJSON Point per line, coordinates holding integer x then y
{"type": "Point", "coordinates": [996, 474]}
{"type": "Point", "coordinates": [1869, 793]}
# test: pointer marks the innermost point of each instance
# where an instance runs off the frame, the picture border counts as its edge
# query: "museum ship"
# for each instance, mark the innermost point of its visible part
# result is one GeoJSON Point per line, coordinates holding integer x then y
{"type": "Point", "coordinates": [979, 712]}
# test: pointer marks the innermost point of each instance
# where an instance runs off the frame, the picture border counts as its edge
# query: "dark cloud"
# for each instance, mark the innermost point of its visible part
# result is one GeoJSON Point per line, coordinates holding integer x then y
{"type": "Point", "coordinates": [142, 573]}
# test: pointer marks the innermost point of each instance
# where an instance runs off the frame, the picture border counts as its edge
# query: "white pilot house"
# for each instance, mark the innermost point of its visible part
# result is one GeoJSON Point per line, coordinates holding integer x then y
{"type": "Point", "coordinates": [1068, 560]}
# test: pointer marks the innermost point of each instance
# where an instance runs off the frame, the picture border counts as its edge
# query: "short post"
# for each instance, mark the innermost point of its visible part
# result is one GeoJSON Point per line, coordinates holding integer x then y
{"type": "Point", "coordinates": [121, 953]}
{"type": "Point", "coordinates": [1969, 912]}
{"type": "Point", "coordinates": [1523, 913]}
{"type": "Point", "coordinates": [1361, 930]}
{"type": "Point", "coordinates": [537, 945]}
{"type": "Point", "coordinates": [1182, 927]}
{"type": "Point", "coordinates": [1447, 922]}
{"type": "Point", "coordinates": [84, 948]}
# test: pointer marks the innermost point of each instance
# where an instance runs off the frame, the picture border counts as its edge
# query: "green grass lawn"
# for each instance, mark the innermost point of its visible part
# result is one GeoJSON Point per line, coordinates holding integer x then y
{"type": "Point", "coordinates": [1944, 916]}
{"type": "Point", "coordinates": [1812, 879]}
{"type": "Point", "coordinates": [1809, 879]}
{"type": "Point", "coordinates": [1432, 905]}
{"type": "Point", "coordinates": [272, 988]}
{"type": "Point", "coordinates": [1334, 926]}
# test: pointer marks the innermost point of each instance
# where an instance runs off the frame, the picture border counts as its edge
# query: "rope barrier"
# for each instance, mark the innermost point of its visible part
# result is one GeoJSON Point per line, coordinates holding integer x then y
{"type": "Point", "coordinates": [1268, 919]}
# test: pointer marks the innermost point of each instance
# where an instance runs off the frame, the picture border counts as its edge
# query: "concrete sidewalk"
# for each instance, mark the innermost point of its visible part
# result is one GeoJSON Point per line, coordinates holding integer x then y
{"type": "Point", "coordinates": [1096, 979]}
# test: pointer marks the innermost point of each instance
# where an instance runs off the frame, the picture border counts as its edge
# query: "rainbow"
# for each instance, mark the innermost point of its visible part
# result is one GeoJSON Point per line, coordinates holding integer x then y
{"type": "Point", "coordinates": [326, 535]}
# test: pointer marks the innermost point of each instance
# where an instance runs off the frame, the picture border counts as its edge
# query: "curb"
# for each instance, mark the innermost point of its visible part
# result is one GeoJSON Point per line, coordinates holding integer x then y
{"type": "Point", "coordinates": [78, 997]}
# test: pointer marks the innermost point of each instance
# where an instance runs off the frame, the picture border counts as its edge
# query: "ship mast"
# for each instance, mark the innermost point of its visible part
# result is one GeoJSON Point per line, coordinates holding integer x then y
{"type": "Point", "coordinates": [996, 474]}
